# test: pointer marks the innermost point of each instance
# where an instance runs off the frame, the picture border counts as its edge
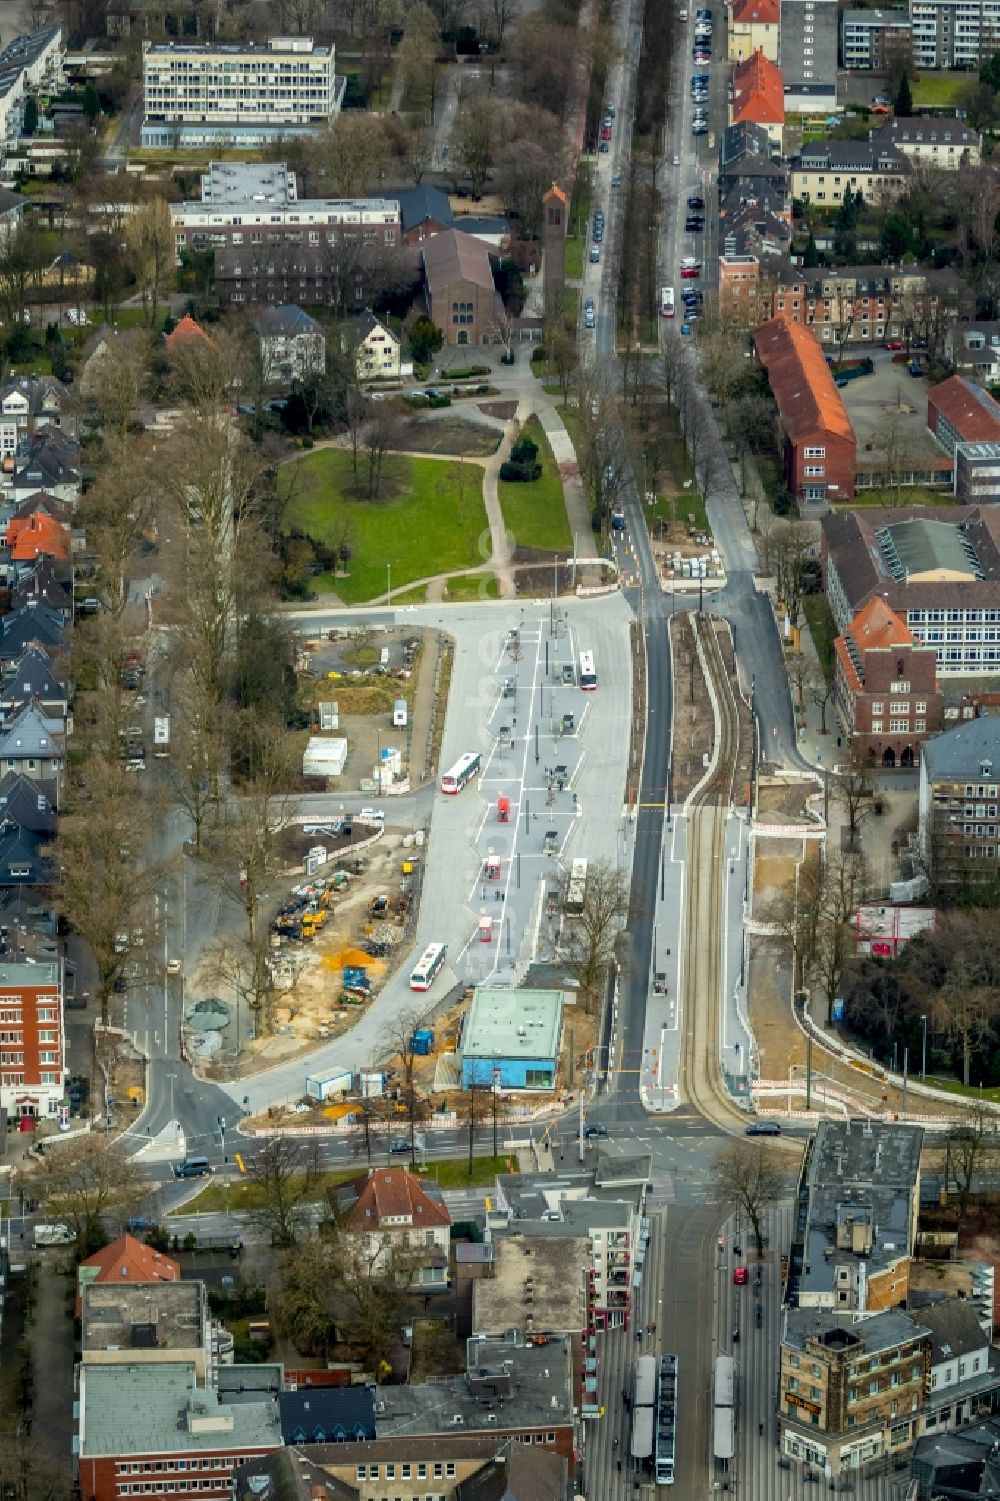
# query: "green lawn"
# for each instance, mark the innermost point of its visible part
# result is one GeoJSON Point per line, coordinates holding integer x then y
{"type": "Point", "coordinates": [237, 1193]}
{"type": "Point", "coordinates": [909, 495]}
{"type": "Point", "coordinates": [536, 513]}
{"type": "Point", "coordinates": [971, 1093]}
{"type": "Point", "coordinates": [576, 247]}
{"type": "Point", "coordinates": [938, 90]}
{"type": "Point", "coordinates": [431, 519]}
{"type": "Point", "coordinates": [472, 586]}
{"type": "Point", "coordinates": [822, 630]}
{"type": "Point", "coordinates": [415, 596]}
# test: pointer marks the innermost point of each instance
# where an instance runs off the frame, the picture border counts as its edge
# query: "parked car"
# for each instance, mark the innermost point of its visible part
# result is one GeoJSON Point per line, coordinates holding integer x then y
{"type": "Point", "coordinates": [740, 1276]}
{"type": "Point", "coordinates": [595, 254]}
{"type": "Point", "coordinates": [694, 226]}
{"type": "Point", "coordinates": [616, 181]}
{"type": "Point", "coordinates": [589, 318]}
{"type": "Point", "coordinates": [690, 273]}
{"type": "Point", "coordinates": [605, 148]}
{"type": "Point", "coordinates": [893, 344]}
{"type": "Point", "coordinates": [696, 202]}
{"type": "Point", "coordinates": [685, 328]}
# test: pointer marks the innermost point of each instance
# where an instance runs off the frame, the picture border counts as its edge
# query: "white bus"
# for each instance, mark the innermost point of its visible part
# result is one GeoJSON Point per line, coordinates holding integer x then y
{"type": "Point", "coordinates": [464, 769]}
{"type": "Point", "coordinates": [576, 888]}
{"type": "Point", "coordinates": [588, 672]}
{"type": "Point", "coordinates": [666, 302]}
{"type": "Point", "coordinates": [423, 974]}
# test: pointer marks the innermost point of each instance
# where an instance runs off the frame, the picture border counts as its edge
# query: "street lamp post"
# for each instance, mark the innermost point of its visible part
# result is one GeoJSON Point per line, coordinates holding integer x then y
{"type": "Point", "coordinates": [388, 583]}
{"type": "Point", "coordinates": [923, 1061]}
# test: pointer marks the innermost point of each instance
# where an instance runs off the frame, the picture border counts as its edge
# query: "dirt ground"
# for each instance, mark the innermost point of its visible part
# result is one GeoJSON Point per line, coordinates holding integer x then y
{"type": "Point", "coordinates": [782, 802]}
{"type": "Point", "coordinates": [451, 436]}
{"type": "Point", "coordinates": [504, 410]}
{"type": "Point", "coordinates": [772, 872]}
{"type": "Point", "coordinates": [126, 1072]}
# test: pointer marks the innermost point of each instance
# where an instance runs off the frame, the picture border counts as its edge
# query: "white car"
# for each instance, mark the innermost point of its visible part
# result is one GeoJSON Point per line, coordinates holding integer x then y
{"type": "Point", "coordinates": [173, 966]}
{"type": "Point", "coordinates": [370, 815]}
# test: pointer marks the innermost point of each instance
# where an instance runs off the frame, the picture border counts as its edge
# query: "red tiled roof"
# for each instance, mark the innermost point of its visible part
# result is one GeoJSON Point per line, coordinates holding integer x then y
{"type": "Point", "coordinates": [756, 12]}
{"type": "Point", "coordinates": [875, 625]}
{"type": "Point", "coordinates": [758, 91]}
{"type": "Point", "coordinates": [186, 331]}
{"type": "Point", "coordinates": [31, 536]}
{"type": "Point", "coordinates": [800, 380]}
{"type": "Point", "coordinates": [129, 1260]}
{"type": "Point", "coordinates": [391, 1193]}
{"type": "Point", "coordinates": [969, 409]}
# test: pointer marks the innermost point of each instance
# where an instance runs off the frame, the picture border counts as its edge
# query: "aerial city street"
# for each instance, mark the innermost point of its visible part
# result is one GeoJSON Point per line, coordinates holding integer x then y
{"type": "Point", "coordinates": [500, 714]}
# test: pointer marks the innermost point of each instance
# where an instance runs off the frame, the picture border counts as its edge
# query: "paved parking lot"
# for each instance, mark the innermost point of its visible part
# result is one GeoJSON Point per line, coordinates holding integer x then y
{"type": "Point", "coordinates": [889, 399]}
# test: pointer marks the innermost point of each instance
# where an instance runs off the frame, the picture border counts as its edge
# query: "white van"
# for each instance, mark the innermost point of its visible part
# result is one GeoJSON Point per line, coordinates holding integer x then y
{"type": "Point", "coordinates": [399, 714]}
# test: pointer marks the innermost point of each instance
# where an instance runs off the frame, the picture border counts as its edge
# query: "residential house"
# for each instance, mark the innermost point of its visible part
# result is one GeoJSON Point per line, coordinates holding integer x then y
{"type": "Point", "coordinates": [959, 826]}
{"type": "Point", "coordinates": [125, 1261]}
{"type": "Point", "coordinates": [154, 1423]}
{"type": "Point", "coordinates": [186, 332]}
{"type": "Point", "coordinates": [462, 298]}
{"type": "Point", "coordinates": [292, 345]}
{"type": "Point", "coordinates": [32, 744]}
{"type": "Point", "coordinates": [823, 171]}
{"type": "Point", "coordinates": [402, 1226]}
{"type": "Point", "coordinates": [858, 1197]}
{"type": "Point", "coordinates": [938, 142]}
{"type": "Point", "coordinates": [255, 207]}
{"type": "Point", "coordinates": [960, 1360]}
{"type": "Point", "coordinates": [29, 803]}
{"type": "Point", "coordinates": [31, 678]}
{"type": "Point", "coordinates": [377, 355]}
{"type": "Point", "coordinates": [753, 228]}
{"type": "Point", "coordinates": [32, 1050]}
{"type": "Point", "coordinates": [746, 152]}
{"type": "Point", "coordinates": [24, 860]}
{"type": "Point", "coordinates": [870, 39]}
{"type": "Point", "coordinates": [38, 502]}
{"type": "Point", "coordinates": [426, 211]}
{"type": "Point", "coordinates": [938, 567]}
{"type": "Point", "coordinates": [819, 450]}
{"type": "Point", "coordinates": [759, 97]}
{"type": "Point", "coordinates": [808, 56]}
{"type": "Point", "coordinates": [213, 94]}
{"type": "Point", "coordinates": [754, 26]}
{"type": "Point", "coordinates": [46, 581]}
{"type": "Point", "coordinates": [90, 372]}
{"type": "Point", "coordinates": [974, 349]}
{"type": "Point", "coordinates": [50, 462]}
{"type": "Point", "coordinates": [30, 402]}
{"type": "Point", "coordinates": [35, 536]}
{"type": "Point", "coordinates": [30, 622]}
{"type": "Point", "coordinates": [886, 695]}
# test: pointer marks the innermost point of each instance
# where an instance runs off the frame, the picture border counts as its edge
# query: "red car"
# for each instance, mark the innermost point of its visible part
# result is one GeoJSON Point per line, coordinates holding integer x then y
{"type": "Point", "coordinates": [893, 344]}
{"type": "Point", "coordinates": [689, 273]}
{"type": "Point", "coordinates": [741, 1276]}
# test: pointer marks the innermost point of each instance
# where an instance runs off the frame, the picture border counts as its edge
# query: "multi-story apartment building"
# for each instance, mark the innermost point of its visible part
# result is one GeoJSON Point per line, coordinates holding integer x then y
{"type": "Point", "coordinates": [253, 207]}
{"type": "Point", "coordinates": [937, 567]}
{"type": "Point", "coordinates": [868, 37]}
{"type": "Point", "coordinates": [850, 1393]}
{"type": "Point", "coordinates": [242, 95]}
{"type": "Point", "coordinates": [959, 34]}
{"type": "Point", "coordinates": [809, 55]}
{"type": "Point", "coordinates": [447, 1467]}
{"type": "Point", "coordinates": [32, 1049]}
{"type": "Point", "coordinates": [864, 304]}
{"type": "Point", "coordinates": [943, 143]}
{"type": "Point", "coordinates": [885, 691]}
{"type": "Point", "coordinates": [30, 64]}
{"type": "Point", "coordinates": [858, 1196]}
{"type": "Point", "coordinates": [959, 825]}
{"type": "Point", "coordinates": [854, 1390]}
{"type": "Point", "coordinates": [824, 170]}
{"type": "Point", "coordinates": [820, 450]}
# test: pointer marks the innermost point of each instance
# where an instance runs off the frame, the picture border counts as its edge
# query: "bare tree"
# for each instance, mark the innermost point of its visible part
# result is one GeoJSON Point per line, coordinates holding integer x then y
{"type": "Point", "coordinates": [285, 1179]}
{"type": "Point", "coordinates": [971, 1148]}
{"type": "Point", "coordinates": [748, 1179]}
{"type": "Point", "coordinates": [591, 935]}
{"type": "Point", "coordinates": [410, 1095]}
{"type": "Point", "coordinates": [474, 141]}
{"type": "Point", "coordinates": [853, 788]}
{"type": "Point", "coordinates": [117, 390]}
{"type": "Point", "coordinates": [353, 152]}
{"type": "Point", "coordinates": [790, 547]}
{"type": "Point", "coordinates": [80, 1182]}
{"type": "Point", "coordinates": [370, 1122]}
{"type": "Point", "coordinates": [118, 514]}
{"type": "Point", "coordinates": [381, 434]}
{"type": "Point", "coordinates": [150, 235]}
{"type": "Point", "coordinates": [965, 1008]}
